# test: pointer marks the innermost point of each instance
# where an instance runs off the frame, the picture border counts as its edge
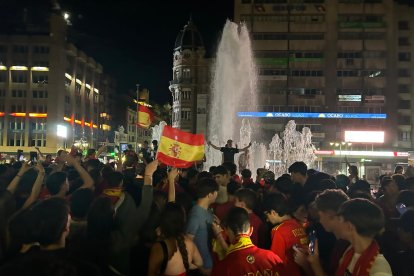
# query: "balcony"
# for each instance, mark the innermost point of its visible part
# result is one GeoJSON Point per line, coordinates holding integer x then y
{"type": "Point", "coordinates": [181, 81]}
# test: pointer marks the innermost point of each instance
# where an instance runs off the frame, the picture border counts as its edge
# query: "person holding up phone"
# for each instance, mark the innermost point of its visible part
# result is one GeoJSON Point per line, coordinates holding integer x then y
{"type": "Point", "coordinates": [33, 157]}
{"type": "Point", "coordinates": [327, 204]}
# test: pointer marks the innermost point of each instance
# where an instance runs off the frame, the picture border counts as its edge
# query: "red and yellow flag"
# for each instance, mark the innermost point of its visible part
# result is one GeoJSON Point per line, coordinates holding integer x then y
{"type": "Point", "coordinates": [180, 149]}
{"type": "Point", "coordinates": [145, 116]}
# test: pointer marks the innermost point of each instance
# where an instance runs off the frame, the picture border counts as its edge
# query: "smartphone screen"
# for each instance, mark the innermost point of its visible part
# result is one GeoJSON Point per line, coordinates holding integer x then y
{"type": "Point", "coordinates": [33, 157]}
{"type": "Point", "coordinates": [401, 208]}
{"type": "Point", "coordinates": [20, 155]}
{"type": "Point", "coordinates": [312, 240]}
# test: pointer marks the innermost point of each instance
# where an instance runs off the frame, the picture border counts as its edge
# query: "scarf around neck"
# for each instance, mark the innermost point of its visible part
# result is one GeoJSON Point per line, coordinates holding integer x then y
{"type": "Point", "coordinates": [241, 242]}
{"type": "Point", "coordinates": [364, 263]}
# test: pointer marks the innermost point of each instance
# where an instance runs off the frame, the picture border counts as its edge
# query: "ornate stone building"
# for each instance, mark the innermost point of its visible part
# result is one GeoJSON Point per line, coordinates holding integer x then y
{"type": "Point", "coordinates": [190, 83]}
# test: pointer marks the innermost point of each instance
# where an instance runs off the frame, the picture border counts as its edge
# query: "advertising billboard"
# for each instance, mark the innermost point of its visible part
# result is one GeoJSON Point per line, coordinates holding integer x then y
{"type": "Point", "coordinates": [364, 136]}
{"type": "Point", "coordinates": [312, 115]}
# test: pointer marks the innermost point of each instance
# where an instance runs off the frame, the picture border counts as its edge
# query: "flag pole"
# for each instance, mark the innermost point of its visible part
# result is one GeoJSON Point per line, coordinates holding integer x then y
{"type": "Point", "coordinates": [136, 123]}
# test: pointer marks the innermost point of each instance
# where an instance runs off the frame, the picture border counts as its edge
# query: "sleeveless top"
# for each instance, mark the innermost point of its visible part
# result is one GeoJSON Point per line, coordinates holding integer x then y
{"type": "Point", "coordinates": [165, 260]}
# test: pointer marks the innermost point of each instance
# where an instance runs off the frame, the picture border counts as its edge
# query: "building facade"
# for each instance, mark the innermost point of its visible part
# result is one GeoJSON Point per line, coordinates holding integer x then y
{"type": "Point", "coordinates": [51, 93]}
{"type": "Point", "coordinates": [339, 56]}
{"type": "Point", "coordinates": [342, 58]}
{"type": "Point", "coordinates": [190, 84]}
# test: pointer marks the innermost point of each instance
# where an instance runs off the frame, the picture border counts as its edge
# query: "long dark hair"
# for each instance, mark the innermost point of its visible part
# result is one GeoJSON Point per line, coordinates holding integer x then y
{"type": "Point", "coordinates": [172, 226]}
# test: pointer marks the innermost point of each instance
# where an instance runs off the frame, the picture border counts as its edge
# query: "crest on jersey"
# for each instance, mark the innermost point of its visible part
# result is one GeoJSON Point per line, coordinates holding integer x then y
{"type": "Point", "coordinates": [250, 259]}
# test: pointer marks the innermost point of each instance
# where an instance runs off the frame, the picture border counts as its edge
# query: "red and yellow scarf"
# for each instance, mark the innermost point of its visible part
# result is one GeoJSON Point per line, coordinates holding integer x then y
{"type": "Point", "coordinates": [364, 263]}
{"type": "Point", "coordinates": [241, 242]}
{"type": "Point", "coordinates": [113, 193]}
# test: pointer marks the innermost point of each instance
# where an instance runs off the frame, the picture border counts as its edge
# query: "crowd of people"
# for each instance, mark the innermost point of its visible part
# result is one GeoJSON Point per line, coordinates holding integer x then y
{"type": "Point", "coordinates": [74, 215]}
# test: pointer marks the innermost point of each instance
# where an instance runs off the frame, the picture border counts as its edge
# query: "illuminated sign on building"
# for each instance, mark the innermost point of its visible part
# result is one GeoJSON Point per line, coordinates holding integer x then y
{"type": "Point", "coordinates": [349, 98]}
{"type": "Point", "coordinates": [361, 153]}
{"type": "Point", "coordinates": [364, 136]}
{"type": "Point", "coordinates": [312, 115]}
{"type": "Point", "coordinates": [62, 131]}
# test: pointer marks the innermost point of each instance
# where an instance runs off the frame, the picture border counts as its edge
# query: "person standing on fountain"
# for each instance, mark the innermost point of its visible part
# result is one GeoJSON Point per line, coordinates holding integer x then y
{"type": "Point", "coordinates": [228, 150]}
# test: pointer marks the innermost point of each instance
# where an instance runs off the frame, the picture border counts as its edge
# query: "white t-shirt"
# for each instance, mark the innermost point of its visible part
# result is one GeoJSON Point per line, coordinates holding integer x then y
{"type": "Point", "coordinates": [379, 268]}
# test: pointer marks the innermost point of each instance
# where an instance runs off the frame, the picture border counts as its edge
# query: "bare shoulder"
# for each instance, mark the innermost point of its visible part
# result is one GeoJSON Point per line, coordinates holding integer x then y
{"type": "Point", "coordinates": [189, 243]}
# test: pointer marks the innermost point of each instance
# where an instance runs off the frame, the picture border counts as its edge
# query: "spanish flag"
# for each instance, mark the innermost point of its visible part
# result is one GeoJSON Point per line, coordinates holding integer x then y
{"type": "Point", "coordinates": [180, 149]}
{"type": "Point", "coordinates": [145, 116]}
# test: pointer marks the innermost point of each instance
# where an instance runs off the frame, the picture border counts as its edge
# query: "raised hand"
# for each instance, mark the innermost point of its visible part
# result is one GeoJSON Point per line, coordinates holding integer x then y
{"type": "Point", "coordinates": [39, 167]}
{"type": "Point", "coordinates": [64, 156]}
{"type": "Point", "coordinates": [172, 174]}
{"type": "Point", "coordinates": [151, 168]}
{"type": "Point", "coordinates": [25, 167]}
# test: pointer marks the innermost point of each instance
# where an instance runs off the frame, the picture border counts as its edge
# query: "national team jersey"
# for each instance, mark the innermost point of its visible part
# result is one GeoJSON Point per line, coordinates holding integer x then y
{"type": "Point", "coordinates": [284, 237]}
{"type": "Point", "coordinates": [221, 209]}
{"type": "Point", "coordinates": [244, 258]}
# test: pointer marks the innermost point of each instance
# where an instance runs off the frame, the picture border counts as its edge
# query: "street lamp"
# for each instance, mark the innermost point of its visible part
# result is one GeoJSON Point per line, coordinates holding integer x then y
{"type": "Point", "coordinates": [340, 145]}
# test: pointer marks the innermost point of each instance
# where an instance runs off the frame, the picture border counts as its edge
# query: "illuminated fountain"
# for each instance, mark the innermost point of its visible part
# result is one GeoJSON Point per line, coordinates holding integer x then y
{"type": "Point", "coordinates": [293, 146]}
{"type": "Point", "coordinates": [234, 85]}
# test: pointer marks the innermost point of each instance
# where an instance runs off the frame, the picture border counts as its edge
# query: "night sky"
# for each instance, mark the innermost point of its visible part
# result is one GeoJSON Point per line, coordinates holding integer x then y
{"type": "Point", "coordinates": [134, 40]}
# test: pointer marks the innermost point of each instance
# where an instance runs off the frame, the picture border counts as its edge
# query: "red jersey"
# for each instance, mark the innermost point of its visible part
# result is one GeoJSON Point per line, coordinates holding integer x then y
{"type": "Point", "coordinates": [244, 258]}
{"type": "Point", "coordinates": [221, 210]}
{"type": "Point", "coordinates": [284, 237]}
{"type": "Point", "coordinates": [257, 225]}
{"type": "Point", "coordinates": [237, 179]}
{"type": "Point", "coordinates": [247, 181]}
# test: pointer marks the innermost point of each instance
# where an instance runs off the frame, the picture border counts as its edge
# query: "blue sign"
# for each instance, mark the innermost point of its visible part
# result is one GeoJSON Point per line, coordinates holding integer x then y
{"type": "Point", "coordinates": [312, 115]}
